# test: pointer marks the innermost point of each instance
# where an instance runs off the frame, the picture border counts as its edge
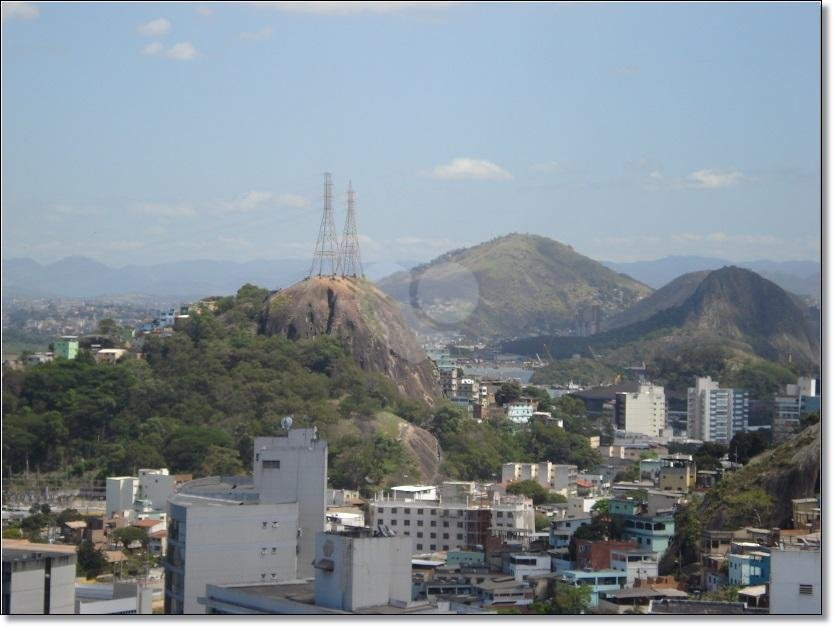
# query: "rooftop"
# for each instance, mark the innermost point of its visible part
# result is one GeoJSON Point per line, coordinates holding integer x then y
{"type": "Point", "coordinates": [17, 548]}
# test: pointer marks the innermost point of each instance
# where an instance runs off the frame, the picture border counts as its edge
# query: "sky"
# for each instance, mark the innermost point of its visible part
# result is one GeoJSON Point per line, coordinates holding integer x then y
{"type": "Point", "coordinates": [146, 133]}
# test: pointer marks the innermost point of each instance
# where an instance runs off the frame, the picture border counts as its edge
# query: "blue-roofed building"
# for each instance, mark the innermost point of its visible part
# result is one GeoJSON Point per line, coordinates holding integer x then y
{"type": "Point", "coordinates": [597, 580]}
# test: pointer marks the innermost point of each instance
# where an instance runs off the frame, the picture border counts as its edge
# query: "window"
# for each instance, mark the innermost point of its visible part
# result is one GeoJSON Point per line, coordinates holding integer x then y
{"type": "Point", "coordinates": [272, 463]}
{"type": "Point", "coordinates": [419, 547]}
{"type": "Point", "coordinates": [381, 510]}
{"type": "Point", "coordinates": [433, 512]}
{"type": "Point", "coordinates": [806, 588]}
{"type": "Point", "coordinates": [445, 547]}
{"type": "Point", "coordinates": [460, 525]}
{"type": "Point", "coordinates": [419, 523]}
{"type": "Point", "coordinates": [407, 510]}
{"type": "Point", "coordinates": [460, 536]}
{"type": "Point", "coordinates": [445, 536]}
{"type": "Point", "coordinates": [433, 547]}
{"type": "Point", "coordinates": [380, 521]}
{"type": "Point", "coordinates": [420, 511]}
{"type": "Point", "coordinates": [433, 523]}
{"type": "Point", "coordinates": [419, 534]}
{"type": "Point", "coordinates": [407, 522]}
{"type": "Point", "coordinates": [445, 523]}
{"type": "Point", "coordinates": [405, 533]}
{"type": "Point", "coordinates": [433, 535]}
{"type": "Point", "coordinates": [393, 510]}
{"type": "Point", "coordinates": [500, 514]}
{"type": "Point", "coordinates": [394, 522]}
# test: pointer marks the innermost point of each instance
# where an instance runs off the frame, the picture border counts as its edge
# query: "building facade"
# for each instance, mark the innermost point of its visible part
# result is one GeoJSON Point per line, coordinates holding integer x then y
{"type": "Point", "coordinates": [38, 578]}
{"type": "Point", "coordinates": [715, 414]}
{"type": "Point", "coordinates": [643, 411]}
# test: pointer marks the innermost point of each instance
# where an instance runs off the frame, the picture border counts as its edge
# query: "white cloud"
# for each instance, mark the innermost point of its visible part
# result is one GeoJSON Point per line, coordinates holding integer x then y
{"type": "Point", "coordinates": [547, 166]}
{"type": "Point", "coordinates": [236, 242]}
{"type": "Point", "coordinates": [260, 35]}
{"type": "Point", "coordinates": [153, 48]}
{"type": "Point", "coordinates": [18, 11]}
{"type": "Point", "coordinates": [182, 51]}
{"type": "Point", "coordinates": [169, 210]}
{"type": "Point", "coordinates": [73, 210]}
{"type": "Point", "coordinates": [204, 11]}
{"type": "Point", "coordinates": [154, 28]}
{"type": "Point", "coordinates": [713, 179]}
{"type": "Point", "coordinates": [256, 199]}
{"type": "Point", "coordinates": [346, 8]}
{"type": "Point", "coordinates": [466, 168]}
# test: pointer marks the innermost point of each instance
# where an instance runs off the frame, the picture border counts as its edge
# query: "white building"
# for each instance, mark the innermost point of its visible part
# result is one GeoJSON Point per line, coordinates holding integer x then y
{"type": "Point", "coordinates": [520, 411]}
{"type": "Point", "coordinates": [716, 414]}
{"type": "Point", "coordinates": [293, 469]}
{"type": "Point", "coordinates": [232, 530]}
{"type": "Point", "coordinates": [559, 478]}
{"type": "Point", "coordinates": [635, 563]}
{"type": "Point", "coordinates": [38, 578]}
{"type": "Point", "coordinates": [120, 598]}
{"type": "Point", "coordinates": [155, 485]}
{"type": "Point", "coordinates": [453, 525]}
{"type": "Point", "coordinates": [415, 492]}
{"type": "Point", "coordinates": [643, 411]}
{"type": "Point", "coordinates": [523, 565]}
{"type": "Point", "coordinates": [120, 493]}
{"type": "Point", "coordinates": [353, 573]}
{"type": "Point", "coordinates": [795, 581]}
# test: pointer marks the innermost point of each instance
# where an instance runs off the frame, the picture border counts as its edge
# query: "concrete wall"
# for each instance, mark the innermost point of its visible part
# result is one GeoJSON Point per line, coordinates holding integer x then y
{"type": "Point", "coordinates": [120, 494]}
{"type": "Point", "coordinates": [366, 571]}
{"type": "Point", "coordinates": [28, 586]}
{"type": "Point", "coordinates": [227, 544]}
{"type": "Point", "coordinates": [789, 569]}
{"type": "Point", "coordinates": [300, 477]}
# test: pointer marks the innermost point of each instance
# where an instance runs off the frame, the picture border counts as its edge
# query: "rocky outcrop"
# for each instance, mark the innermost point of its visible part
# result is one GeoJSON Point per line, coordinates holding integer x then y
{"type": "Point", "coordinates": [364, 320]}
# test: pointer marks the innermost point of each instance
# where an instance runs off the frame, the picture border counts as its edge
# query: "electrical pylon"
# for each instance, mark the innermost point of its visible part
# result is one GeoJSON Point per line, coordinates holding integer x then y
{"type": "Point", "coordinates": [325, 256]}
{"type": "Point", "coordinates": [350, 259]}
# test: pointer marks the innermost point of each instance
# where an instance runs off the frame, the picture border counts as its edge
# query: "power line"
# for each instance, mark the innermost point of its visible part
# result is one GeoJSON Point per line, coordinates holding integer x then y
{"type": "Point", "coordinates": [350, 259]}
{"type": "Point", "coordinates": [327, 246]}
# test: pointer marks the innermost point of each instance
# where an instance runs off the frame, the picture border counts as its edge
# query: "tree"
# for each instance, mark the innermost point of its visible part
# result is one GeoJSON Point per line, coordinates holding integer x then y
{"type": "Point", "coordinates": [567, 599]}
{"type": "Point", "coordinates": [542, 522]}
{"type": "Point", "coordinates": [222, 461]}
{"type": "Point", "coordinates": [68, 515]}
{"type": "Point", "coordinates": [91, 561]}
{"type": "Point", "coordinates": [129, 535]}
{"type": "Point", "coordinates": [108, 327]}
{"type": "Point", "coordinates": [508, 392]}
{"type": "Point", "coordinates": [529, 488]}
{"type": "Point", "coordinates": [745, 445]}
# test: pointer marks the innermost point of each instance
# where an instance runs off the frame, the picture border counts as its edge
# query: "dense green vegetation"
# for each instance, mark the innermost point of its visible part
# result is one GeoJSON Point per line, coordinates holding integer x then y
{"type": "Point", "coordinates": [583, 371]}
{"type": "Point", "coordinates": [196, 400]}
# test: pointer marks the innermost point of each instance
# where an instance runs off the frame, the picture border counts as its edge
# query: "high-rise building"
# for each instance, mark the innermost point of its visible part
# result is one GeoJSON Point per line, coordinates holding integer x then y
{"type": "Point", "coordinates": [716, 414]}
{"type": "Point", "coordinates": [643, 411]}
{"type": "Point", "coordinates": [248, 530]}
{"type": "Point", "coordinates": [38, 578]}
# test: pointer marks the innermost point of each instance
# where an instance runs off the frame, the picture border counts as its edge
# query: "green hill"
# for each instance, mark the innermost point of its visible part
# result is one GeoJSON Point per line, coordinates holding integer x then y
{"type": "Point", "coordinates": [524, 285]}
{"type": "Point", "coordinates": [732, 308]}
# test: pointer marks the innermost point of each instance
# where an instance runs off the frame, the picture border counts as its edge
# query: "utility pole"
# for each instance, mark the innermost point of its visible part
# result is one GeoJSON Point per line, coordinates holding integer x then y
{"type": "Point", "coordinates": [350, 260]}
{"type": "Point", "coordinates": [325, 255]}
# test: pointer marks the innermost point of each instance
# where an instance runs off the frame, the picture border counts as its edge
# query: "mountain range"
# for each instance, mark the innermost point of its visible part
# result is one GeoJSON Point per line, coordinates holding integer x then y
{"type": "Point", "coordinates": [799, 277]}
{"type": "Point", "coordinates": [81, 277]}
{"type": "Point", "coordinates": [733, 307]}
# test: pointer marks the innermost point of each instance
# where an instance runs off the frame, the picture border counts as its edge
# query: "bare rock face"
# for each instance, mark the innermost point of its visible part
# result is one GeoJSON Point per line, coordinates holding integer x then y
{"type": "Point", "coordinates": [364, 320]}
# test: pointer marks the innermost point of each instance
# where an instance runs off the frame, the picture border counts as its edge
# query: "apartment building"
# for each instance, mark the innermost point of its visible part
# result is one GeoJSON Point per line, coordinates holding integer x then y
{"type": "Point", "coordinates": [38, 578]}
{"type": "Point", "coordinates": [715, 414]}
{"type": "Point", "coordinates": [643, 411]}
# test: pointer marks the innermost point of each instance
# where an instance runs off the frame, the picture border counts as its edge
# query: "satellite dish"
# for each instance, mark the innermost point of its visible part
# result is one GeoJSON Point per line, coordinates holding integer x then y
{"type": "Point", "coordinates": [286, 422]}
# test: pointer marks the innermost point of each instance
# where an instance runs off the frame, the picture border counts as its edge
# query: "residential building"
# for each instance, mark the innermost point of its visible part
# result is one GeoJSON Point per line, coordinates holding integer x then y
{"type": "Point", "coordinates": [800, 399]}
{"type": "Point", "coordinates": [643, 411]}
{"type": "Point", "coordinates": [637, 564]}
{"type": "Point", "coordinates": [678, 473]}
{"type": "Point", "coordinates": [559, 478]}
{"type": "Point", "coordinates": [449, 378]}
{"type": "Point", "coordinates": [715, 414]}
{"type": "Point", "coordinates": [796, 580]}
{"type": "Point", "coordinates": [597, 580]}
{"type": "Point", "coordinates": [523, 565]}
{"type": "Point", "coordinates": [66, 347]}
{"type": "Point", "coordinates": [441, 525]}
{"type": "Point", "coordinates": [806, 513]}
{"type": "Point", "coordinates": [38, 578]}
{"type": "Point", "coordinates": [650, 532]}
{"type": "Point", "coordinates": [521, 411]}
{"type": "Point", "coordinates": [414, 492]}
{"type": "Point", "coordinates": [109, 355]}
{"type": "Point", "coordinates": [597, 554]}
{"type": "Point", "coordinates": [503, 591]}
{"type": "Point", "coordinates": [561, 531]}
{"type": "Point", "coordinates": [748, 565]}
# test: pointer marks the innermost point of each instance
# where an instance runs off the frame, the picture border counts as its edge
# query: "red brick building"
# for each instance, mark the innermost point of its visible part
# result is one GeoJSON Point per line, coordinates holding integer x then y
{"type": "Point", "coordinates": [597, 554]}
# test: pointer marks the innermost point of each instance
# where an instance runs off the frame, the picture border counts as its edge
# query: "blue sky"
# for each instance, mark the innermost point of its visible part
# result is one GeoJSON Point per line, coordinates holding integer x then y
{"type": "Point", "coordinates": [140, 133]}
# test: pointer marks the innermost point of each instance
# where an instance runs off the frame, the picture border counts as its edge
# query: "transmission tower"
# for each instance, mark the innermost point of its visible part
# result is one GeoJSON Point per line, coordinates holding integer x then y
{"type": "Point", "coordinates": [350, 260]}
{"type": "Point", "coordinates": [325, 256]}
